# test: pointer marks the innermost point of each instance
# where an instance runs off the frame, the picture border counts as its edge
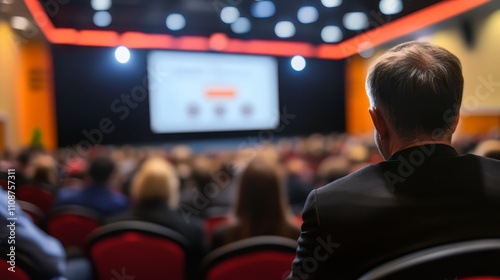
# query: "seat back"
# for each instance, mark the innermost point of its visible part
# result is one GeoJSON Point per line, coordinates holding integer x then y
{"type": "Point", "coordinates": [23, 266]}
{"type": "Point", "coordinates": [137, 249]}
{"type": "Point", "coordinates": [17, 274]}
{"type": "Point", "coordinates": [214, 217]}
{"type": "Point", "coordinates": [263, 257]}
{"type": "Point", "coordinates": [72, 224]}
{"type": "Point", "coordinates": [477, 259]}
{"type": "Point", "coordinates": [481, 278]}
{"type": "Point", "coordinates": [4, 184]}
{"type": "Point", "coordinates": [35, 213]}
{"type": "Point", "coordinates": [213, 222]}
{"type": "Point", "coordinates": [40, 196]}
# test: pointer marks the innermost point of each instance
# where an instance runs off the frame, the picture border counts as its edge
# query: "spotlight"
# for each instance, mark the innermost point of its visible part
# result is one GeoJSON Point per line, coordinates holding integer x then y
{"type": "Point", "coordinates": [122, 54]}
{"type": "Point", "coordinates": [298, 63]}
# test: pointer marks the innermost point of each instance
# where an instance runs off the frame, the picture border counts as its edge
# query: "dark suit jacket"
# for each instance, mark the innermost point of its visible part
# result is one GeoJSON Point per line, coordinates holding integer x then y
{"type": "Point", "coordinates": [420, 197]}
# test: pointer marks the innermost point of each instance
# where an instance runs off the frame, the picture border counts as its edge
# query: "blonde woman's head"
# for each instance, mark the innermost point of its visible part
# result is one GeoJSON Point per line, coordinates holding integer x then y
{"type": "Point", "coordinates": [156, 179]}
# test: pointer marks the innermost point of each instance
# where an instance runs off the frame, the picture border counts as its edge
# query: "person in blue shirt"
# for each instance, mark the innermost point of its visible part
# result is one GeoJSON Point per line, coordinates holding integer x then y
{"type": "Point", "coordinates": [97, 195]}
{"type": "Point", "coordinates": [44, 250]}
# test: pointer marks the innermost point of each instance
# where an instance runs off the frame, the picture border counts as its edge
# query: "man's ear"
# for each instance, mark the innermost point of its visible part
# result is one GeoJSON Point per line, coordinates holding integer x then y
{"type": "Point", "coordinates": [379, 122]}
{"type": "Point", "coordinates": [455, 124]}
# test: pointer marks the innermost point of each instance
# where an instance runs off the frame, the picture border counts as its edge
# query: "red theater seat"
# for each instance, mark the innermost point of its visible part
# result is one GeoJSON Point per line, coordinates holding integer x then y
{"type": "Point", "coordinates": [4, 184]}
{"type": "Point", "coordinates": [138, 249]}
{"type": "Point", "coordinates": [19, 273]}
{"type": "Point", "coordinates": [72, 225]}
{"type": "Point", "coordinates": [24, 269]}
{"type": "Point", "coordinates": [212, 223]}
{"type": "Point", "coordinates": [262, 257]}
{"type": "Point", "coordinates": [481, 278]}
{"type": "Point", "coordinates": [36, 215]}
{"type": "Point", "coordinates": [215, 217]}
{"type": "Point", "coordinates": [38, 195]}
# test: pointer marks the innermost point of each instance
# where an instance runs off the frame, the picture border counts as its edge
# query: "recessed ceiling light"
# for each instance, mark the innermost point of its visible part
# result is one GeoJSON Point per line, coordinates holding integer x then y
{"type": "Point", "coordinates": [331, 34]}
{"type": "Point", "coordinates": [102, 18]}
{"type": "Point", "coordinates": [175, 22]}
{"type": "Point", "coordinates": [229, 14]}
{"type": "Point", "coordinates": [390, 7]}
{"type": "Point", "coordinates": [331, 3]}
{"type": "Point", "coordinates": [284, 29]}
{"type": "Point", "coordinates": [307, 14]}
{"type": "Point", "coordinates": [100, 5]}
{"type": "Point", "coordinates": [241, 25]}
{"type": "Point", "coordinates": [355, 21]}
{"type": "Point", "coordinates": [263, 9]}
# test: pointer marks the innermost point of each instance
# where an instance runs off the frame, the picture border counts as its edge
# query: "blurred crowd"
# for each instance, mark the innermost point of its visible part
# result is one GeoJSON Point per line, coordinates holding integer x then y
{"type": "Point", "coordinates": [205, 177]}
{"type": "Point", "coordinates": [257, 189]}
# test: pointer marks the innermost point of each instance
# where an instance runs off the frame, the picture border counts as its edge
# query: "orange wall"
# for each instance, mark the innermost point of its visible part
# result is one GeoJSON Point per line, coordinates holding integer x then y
{"type": "Point", "coordinates": [357, 118]}
{"type": "Point", "coordinates": [477, 124]}
{"type": "Point", "coordinates": [8, 87]}
{"type": "Point", "coordinates": [26, 90]}
{"type": "Point", "coordinates": [35, 95]}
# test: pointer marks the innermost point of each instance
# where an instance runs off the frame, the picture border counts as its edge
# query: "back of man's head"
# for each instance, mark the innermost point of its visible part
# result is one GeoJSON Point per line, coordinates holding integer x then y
{"type": "Point", "coordinates": [100, 169]}
{"type": "Point", "coordinates": [418, 87]}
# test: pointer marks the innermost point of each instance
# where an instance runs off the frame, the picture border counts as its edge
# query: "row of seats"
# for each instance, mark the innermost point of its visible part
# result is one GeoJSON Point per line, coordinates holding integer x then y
{"type": "Point", "coordinates": [72, 224]}
{"type": "Point", "coordinates": [150, 250]}
{"type": "Point", "coordinates": [135, 249]}
{"type": "Point", "coordinates": [144, 250]}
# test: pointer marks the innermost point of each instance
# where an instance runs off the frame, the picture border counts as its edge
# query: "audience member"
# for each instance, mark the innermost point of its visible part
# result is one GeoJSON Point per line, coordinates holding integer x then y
{"type": "Point", "coordinates": [261, 207]}
{"type": "Point", "coordinates": [155, 195]}
{"type": "Point", "coordinates": [24, 160]}
{"type": "Point", "coordinates": [298, 183]}
{"type": "Point", "coordinates": [206, 173]}
{"type": "Point", "coordinates": [424, 194]}
{"type": "Point", "coordinates": [73, 173]}
{"type": "Point", "coordinates": [43, 250]}
{"type": "Point", "coordinates": [44, 172]}
{"type": "Point", "coordinates": [97, 194]}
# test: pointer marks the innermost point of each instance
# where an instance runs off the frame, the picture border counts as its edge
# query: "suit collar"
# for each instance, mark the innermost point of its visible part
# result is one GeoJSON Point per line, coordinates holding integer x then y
{"type": "Point", "coordinates": [429, 150]}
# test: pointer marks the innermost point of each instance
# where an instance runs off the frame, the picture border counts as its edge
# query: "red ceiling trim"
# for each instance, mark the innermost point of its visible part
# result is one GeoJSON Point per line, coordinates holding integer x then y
{"type": "Point", "coordinates": [136, 40]}
{"type": "Point", "coordinates": [382, 34]}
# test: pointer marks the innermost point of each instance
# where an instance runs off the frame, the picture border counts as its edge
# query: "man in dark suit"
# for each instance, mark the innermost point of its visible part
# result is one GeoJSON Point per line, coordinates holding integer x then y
{"type": "Point", "coordinates": [424, 194]}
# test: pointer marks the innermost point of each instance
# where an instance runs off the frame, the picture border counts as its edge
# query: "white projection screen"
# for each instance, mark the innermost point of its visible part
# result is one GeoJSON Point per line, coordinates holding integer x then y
{"type": "Point", "coordinates": [205, 92]}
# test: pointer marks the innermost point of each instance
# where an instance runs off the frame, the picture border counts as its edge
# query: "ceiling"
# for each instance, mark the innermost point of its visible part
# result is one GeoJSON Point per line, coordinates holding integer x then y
{"type": "Point", "coordinates": [325, 31]}
{"type": "Point", "coordinates": [203, 17]}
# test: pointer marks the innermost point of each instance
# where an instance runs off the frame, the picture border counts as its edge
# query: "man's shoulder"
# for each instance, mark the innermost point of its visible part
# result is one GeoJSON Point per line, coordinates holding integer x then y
{"type": "Point", "coordinates": [359, 180]}
{"type": "Point", "coordinates": [490, 170]}
{"type": "Point", "coordinates": [487, 162]}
